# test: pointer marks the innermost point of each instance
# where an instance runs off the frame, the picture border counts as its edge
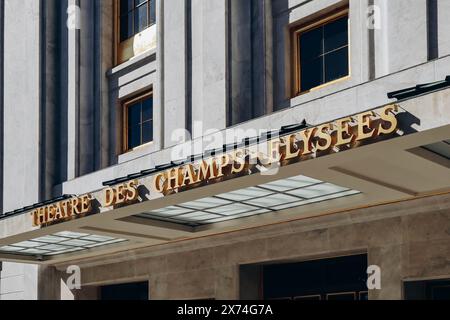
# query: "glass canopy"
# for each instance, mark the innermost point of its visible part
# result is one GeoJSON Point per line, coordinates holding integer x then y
{"type": "Point", "coordinates": [59, 243]}
{"type": "Point", "coordinates": [275, 196]}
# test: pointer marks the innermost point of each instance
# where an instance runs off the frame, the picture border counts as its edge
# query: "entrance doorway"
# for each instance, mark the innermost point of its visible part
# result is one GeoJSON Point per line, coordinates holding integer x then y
{"type": "Point", "coordinates": [428, 290]}
{"type": "Point", "coordinates": [343, 278]}
{"type": "Point", "coordinates": [128, 291]}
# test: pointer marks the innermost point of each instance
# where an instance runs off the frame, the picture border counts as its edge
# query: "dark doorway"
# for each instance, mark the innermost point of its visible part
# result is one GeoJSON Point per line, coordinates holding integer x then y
{"type": "Point", "coordinates": [129, 291]}
{"type": "Point", "coordinates": [331, 279]}
{"type": "Point", "coordinates": [427, 290]}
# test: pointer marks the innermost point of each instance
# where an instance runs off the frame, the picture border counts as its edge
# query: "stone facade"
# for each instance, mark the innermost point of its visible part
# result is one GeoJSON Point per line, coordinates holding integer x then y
{"type": "Point", "coordinates": [220, 63]}
{"type": "Point", "coordinates": [408, 240]}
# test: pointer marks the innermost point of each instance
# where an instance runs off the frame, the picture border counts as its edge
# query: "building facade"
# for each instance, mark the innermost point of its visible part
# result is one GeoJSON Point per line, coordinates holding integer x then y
{"type": "Point", "coordinates": [225, 149]}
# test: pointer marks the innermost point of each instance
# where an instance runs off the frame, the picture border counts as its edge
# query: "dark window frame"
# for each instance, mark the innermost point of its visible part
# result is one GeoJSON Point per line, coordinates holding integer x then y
{"type": "Point", "coordinates": [125, 127]}
{"type": "Point", "coordinates": [296, 33]}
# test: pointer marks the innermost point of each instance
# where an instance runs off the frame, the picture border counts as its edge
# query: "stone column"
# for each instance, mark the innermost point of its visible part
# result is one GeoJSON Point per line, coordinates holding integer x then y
{"type": "Point", "coordinates": [73, 82]}
{"type": "Point", "coordinates": [250, 59]}
{"type": "Point", "coordinates": [2, 48]}
{"type": "Point", "coordinates": [389, 259]}
{"type": "Point", "coordinates": [174, 51]}
{"type": "Point", "coordinates": [49, 284]}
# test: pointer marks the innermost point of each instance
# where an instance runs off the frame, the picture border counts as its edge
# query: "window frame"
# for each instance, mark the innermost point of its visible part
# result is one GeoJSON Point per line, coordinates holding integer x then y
{"type": "Point", "coordinates": [297, 31]}
{"type": "Point", "coordinates": [121, 48]}
{"type": "Point", "coordinates": [125, 129]}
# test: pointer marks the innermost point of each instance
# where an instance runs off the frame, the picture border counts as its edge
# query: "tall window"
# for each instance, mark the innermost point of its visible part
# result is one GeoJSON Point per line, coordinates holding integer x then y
{"type": "Point", "coordinates": [138, 116]}
{"type": "Point", "coordinates": [135, 17]}
{"type": "Point", "coordinates": [321, 53]}
{"type": "Point", "coordinates": [135, 30]}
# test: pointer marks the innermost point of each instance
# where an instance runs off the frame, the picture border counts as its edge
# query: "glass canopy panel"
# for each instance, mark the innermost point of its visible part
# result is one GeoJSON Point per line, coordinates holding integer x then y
{"type": "Point", "coordinates": [233, 209]}
{"type": "Point", "coordinates": [274, 200]}
{"type": "Point", "coordinates": [172, 211]}
{"type": "Point", "coordinates": [291, 183]}
{"type": "Point", "coordinates": [29, 244]}
{"type": "Point", "coordinates": [206, 203]}
{"type": "Point", "coordinates": [7, 249]}
{"type": "Point", "coordinates": [262, 199]}
{"type": "Point", "coordinates": [72, 235]}
{"type": "Point", "coordinates": [59, 243]}
{"type": "Point", "coordinates": [245, 194]}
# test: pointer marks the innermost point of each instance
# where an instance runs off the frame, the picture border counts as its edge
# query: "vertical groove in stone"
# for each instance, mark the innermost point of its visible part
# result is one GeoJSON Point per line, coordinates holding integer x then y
{"type": "Point", "coordinates": [106, 62]}
{"type": "Point", "coordinates": [87, 102]}
{"type": "Point", "coordinates": [371, 31]}
{"type": "Point", "coordinates": [97, 82]}
{"type": "Point", "coordinates": [432, 29]}
{"type": "Point", "coordinates": [160, 68]}
{"type": "Point", "coordinates": [49, 110]}
{"type": "Point", "coordinates": [229, 102]}
{"type": "Point", "coordinates": [241, 69]}
{"type": "Point", "coordinates": [189, 77]}
{"type": "Point", "coordinates": [63, 88]}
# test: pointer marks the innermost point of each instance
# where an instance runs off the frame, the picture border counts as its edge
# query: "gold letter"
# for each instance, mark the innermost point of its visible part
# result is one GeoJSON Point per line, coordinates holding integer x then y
{"type": "Point", "coordinates": [207, 170]}
{"type": "Point", "coordinates": [306, 136]}
{"type": "Point", "coordinates": [343, 129]}
{"type": "Point", "coordinates": [189, 175]}
{"type": "Point", "coordinates": [225, 161]}
{"type": "Point", "coordinates": [364, 122]}
{"type": "Point", "coordinates": [160, 183]}
{"type": "Point", "coordinates": [288, 143]}
{"type": "Point", "coordinates": [388, 117]}
{"type": "Point", "coordinates": [239, 160]}
{"type": "Point", "coordinates": [132, 193]}
{"type": "Point", "coordinates": [86, 204]}
{"type": "Point", "coordinates": [322, 135]}
{"type": "Point", "coordinates": [109, 197]}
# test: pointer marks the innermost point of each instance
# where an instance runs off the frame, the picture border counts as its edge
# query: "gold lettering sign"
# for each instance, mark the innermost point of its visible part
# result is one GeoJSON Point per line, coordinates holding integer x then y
{"type": "Point", "coordinates": [64, 210]}
{"type": "Point", "coordinates": [339, 135]}
{"type": "Point", "coordinates": [324, 138]}
{"type": "Point", "coordinates": [123, 194]}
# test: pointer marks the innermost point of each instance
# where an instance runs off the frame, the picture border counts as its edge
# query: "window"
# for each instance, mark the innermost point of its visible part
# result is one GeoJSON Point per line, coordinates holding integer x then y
{"type": "Point", "coordinates": [138, 120]}
{"type": "Point", "coordinates": [135, 17]}
{"type": "Point", "coordinates": [134, 29]}
{"type": "Point", "coordinates": [321, 52]}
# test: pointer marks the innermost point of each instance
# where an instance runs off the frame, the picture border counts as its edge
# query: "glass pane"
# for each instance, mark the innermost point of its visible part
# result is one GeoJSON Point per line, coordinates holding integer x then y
{"type": "Point", "coordinates": [126, 26]}
{"type": "Point", "coordinates": [336, 34]}
{"type": "Point", "coordinates": [311, 44]}
{"type": "Point", "coordinates": [147, 132]}
{"type": "Point", "coordinates": [134, 136]}
{"type": "Point", "coordinates": [311, 74]}
{"type": "Point", "coordinates": [134, 114]}
{"type": "Point", "coordinates": [152, 14]}
{"type": "Point", "coordinates": [147, 109]}
{"type": "Point", "coordinates": [336, 64]}
{"type": "Point", "coordinates": [140, 18]}
{"type": "Point", "coordinates": [126, 6]}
